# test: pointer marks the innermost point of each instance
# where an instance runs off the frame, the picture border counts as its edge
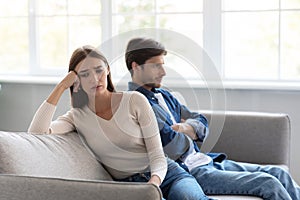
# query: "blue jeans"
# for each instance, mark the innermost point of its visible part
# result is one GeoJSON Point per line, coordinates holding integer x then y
{"type": "Point", "coordinates": [230, 177]}
{"type": "Point", "coordinates": [177, 185]}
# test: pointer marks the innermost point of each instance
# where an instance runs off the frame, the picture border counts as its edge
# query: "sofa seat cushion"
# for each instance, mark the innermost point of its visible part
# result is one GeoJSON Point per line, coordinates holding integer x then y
{"type": "Point", "coordinates": [61, 156]}
{"type": "Point", "coordinates": [234, 197]}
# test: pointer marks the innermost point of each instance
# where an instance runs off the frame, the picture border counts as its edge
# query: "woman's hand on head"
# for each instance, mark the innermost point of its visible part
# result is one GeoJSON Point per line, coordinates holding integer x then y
{"type": "Point", "coordinates": [70, 79]}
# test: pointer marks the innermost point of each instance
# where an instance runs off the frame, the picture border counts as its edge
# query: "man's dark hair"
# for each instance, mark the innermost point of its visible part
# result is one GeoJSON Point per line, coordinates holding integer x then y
{"type": "Point", "coordinates": [141, 49]}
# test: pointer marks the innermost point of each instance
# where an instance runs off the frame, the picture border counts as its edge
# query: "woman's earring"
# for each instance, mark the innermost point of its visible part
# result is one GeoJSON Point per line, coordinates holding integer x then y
{"type": "Point", "coordinates": [76, 89]}
{"type": "Point", "coordinates": [76, 86]}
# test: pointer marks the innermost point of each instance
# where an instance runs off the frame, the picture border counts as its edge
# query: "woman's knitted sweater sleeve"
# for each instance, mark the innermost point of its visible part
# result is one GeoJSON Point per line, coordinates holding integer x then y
{"type": "Point", "coordinates": [150, 131]}
{"type": "Point", "coordinates": [42, 121]}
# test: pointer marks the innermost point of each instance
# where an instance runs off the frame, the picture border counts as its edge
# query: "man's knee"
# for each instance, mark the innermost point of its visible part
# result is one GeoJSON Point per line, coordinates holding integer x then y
{"type": "Point", "coordinates": [187, 188]}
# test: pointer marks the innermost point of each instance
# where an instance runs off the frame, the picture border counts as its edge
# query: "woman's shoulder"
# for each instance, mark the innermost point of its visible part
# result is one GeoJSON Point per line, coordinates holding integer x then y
{"type": "Point", "coordinates": [135, 95]}
{"type": "Point", "coordinates": [135, 98]}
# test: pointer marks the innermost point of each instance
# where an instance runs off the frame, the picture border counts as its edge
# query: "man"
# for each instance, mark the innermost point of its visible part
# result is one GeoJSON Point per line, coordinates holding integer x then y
{"type": "Point", "coordinates": [180, 129]}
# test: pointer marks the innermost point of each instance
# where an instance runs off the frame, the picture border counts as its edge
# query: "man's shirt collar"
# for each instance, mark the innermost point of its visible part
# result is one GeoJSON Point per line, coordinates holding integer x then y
{"type": "Point", "coordinates": [135, 87]}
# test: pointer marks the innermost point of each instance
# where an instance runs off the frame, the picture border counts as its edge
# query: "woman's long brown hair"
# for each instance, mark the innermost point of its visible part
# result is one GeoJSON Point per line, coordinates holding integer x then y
{"type": "Point", "coordinates": [80, 98]}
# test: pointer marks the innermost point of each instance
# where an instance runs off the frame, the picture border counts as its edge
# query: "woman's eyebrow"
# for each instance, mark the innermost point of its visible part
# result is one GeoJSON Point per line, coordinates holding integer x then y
{"type": "Point", "coordinates": [97, 67]}
{"type": "Point", "coordinates": [83, 71]}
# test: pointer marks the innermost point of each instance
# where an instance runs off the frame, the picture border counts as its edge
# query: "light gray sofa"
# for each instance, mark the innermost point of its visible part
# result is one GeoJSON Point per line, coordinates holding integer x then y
{"type": "Point", "coordinates": [44, 167]}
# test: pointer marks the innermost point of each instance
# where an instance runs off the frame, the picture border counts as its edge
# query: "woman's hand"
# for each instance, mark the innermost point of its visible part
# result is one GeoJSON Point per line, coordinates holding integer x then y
{"type": "Point", "coordinates": [69, 80]}
{"type": "Point", "coordinates": [155, 180]}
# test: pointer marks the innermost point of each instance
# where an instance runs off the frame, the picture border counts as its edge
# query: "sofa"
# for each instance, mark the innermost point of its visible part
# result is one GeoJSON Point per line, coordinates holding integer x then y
{"type": "Point", "coordinates": [44, 167]}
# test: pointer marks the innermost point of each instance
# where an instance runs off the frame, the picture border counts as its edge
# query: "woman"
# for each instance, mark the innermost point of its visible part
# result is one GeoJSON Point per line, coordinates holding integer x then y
{"type": "Point", "coordinates": [119, 128]}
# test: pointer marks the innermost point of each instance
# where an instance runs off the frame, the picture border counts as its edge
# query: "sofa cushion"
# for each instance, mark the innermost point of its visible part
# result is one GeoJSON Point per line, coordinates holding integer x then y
{"type": "Point", "coordinates": [234, 197]}
{"type": "Point", "coordinates": [61, 156]}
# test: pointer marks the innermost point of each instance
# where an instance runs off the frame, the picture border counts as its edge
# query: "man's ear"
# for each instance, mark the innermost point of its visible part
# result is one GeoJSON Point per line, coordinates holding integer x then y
{"type": "Point", "coordinates": [134, 66]}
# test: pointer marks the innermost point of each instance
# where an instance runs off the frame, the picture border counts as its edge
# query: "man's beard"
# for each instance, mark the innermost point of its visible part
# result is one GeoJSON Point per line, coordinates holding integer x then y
{"type": "Point", "coordinates": [153, 85]}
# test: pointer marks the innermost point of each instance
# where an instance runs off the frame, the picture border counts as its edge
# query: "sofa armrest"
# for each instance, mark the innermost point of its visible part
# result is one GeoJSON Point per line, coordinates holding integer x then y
{"type": "Point", "coordinates": [36, 188]}
{"type": "Point", "coordinates": [254, 137]}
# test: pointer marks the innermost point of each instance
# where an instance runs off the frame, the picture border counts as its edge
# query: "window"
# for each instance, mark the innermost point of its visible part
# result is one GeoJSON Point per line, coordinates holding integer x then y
{"type": "Point", "coordinates": [14, 51]}
{"type": "Point", "coordinates": [185, 17]}
{"type": "Point", "coordinates": [261, 40]}
{"type": "Point", "coordinates": [38, 36]}
{"type": "Point", "coordinates": [247, 40]}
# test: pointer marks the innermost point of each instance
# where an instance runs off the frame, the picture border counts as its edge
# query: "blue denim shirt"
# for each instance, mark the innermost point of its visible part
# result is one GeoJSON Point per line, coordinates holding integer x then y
{"type": "Point", "coordinates": [176, 145]}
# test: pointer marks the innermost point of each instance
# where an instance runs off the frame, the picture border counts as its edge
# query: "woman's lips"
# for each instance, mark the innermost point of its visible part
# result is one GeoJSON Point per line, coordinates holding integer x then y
{"type": "Point", "coordinates": [96, 87]}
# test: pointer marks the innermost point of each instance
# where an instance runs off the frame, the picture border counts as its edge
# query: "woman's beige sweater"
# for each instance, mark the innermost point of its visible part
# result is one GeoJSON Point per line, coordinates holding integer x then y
{"type": "Point", "coordinates": [126, 144]}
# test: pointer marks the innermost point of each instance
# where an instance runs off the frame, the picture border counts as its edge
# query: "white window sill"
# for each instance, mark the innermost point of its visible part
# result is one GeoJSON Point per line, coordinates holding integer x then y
{"type": "Point", "coordinates": [228, 85]}
{"type": "Point", "coordinates": [30, 79]}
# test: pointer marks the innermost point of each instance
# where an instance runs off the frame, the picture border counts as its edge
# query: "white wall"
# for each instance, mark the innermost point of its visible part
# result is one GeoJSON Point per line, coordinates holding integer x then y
{"type": "Point", "coordinates": [18, 103]}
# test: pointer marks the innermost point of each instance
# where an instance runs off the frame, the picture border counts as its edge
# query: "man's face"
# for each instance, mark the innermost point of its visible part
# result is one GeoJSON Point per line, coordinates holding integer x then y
{"type": "Point", "coordinates": [152, 72]}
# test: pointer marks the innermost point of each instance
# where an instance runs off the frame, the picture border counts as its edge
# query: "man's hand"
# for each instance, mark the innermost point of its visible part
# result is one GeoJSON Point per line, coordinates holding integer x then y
{"type": "Point", "coordinates": [186, 129]}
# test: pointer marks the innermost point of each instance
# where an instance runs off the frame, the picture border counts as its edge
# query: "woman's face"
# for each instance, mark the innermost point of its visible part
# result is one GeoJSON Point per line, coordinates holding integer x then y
{"type": "Point", "coordinates": [92, 74]}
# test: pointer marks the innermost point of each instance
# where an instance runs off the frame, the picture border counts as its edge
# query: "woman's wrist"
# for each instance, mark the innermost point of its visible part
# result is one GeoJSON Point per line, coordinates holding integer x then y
{"type": "Point", "coordinates": [54, 97]}
{"type": "Point", "coordinates": [155, 180]}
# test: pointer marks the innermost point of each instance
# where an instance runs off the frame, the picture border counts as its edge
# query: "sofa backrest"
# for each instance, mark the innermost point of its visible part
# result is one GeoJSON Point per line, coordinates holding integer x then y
{"type": "Point", "coordinates": [62, 156]}
{"type": "Point", "coordinates": [254, 137]}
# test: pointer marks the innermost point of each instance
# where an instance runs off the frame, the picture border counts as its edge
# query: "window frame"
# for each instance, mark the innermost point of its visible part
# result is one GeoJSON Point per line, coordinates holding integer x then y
{"type": "Point", "coordinates": [212, 43]}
